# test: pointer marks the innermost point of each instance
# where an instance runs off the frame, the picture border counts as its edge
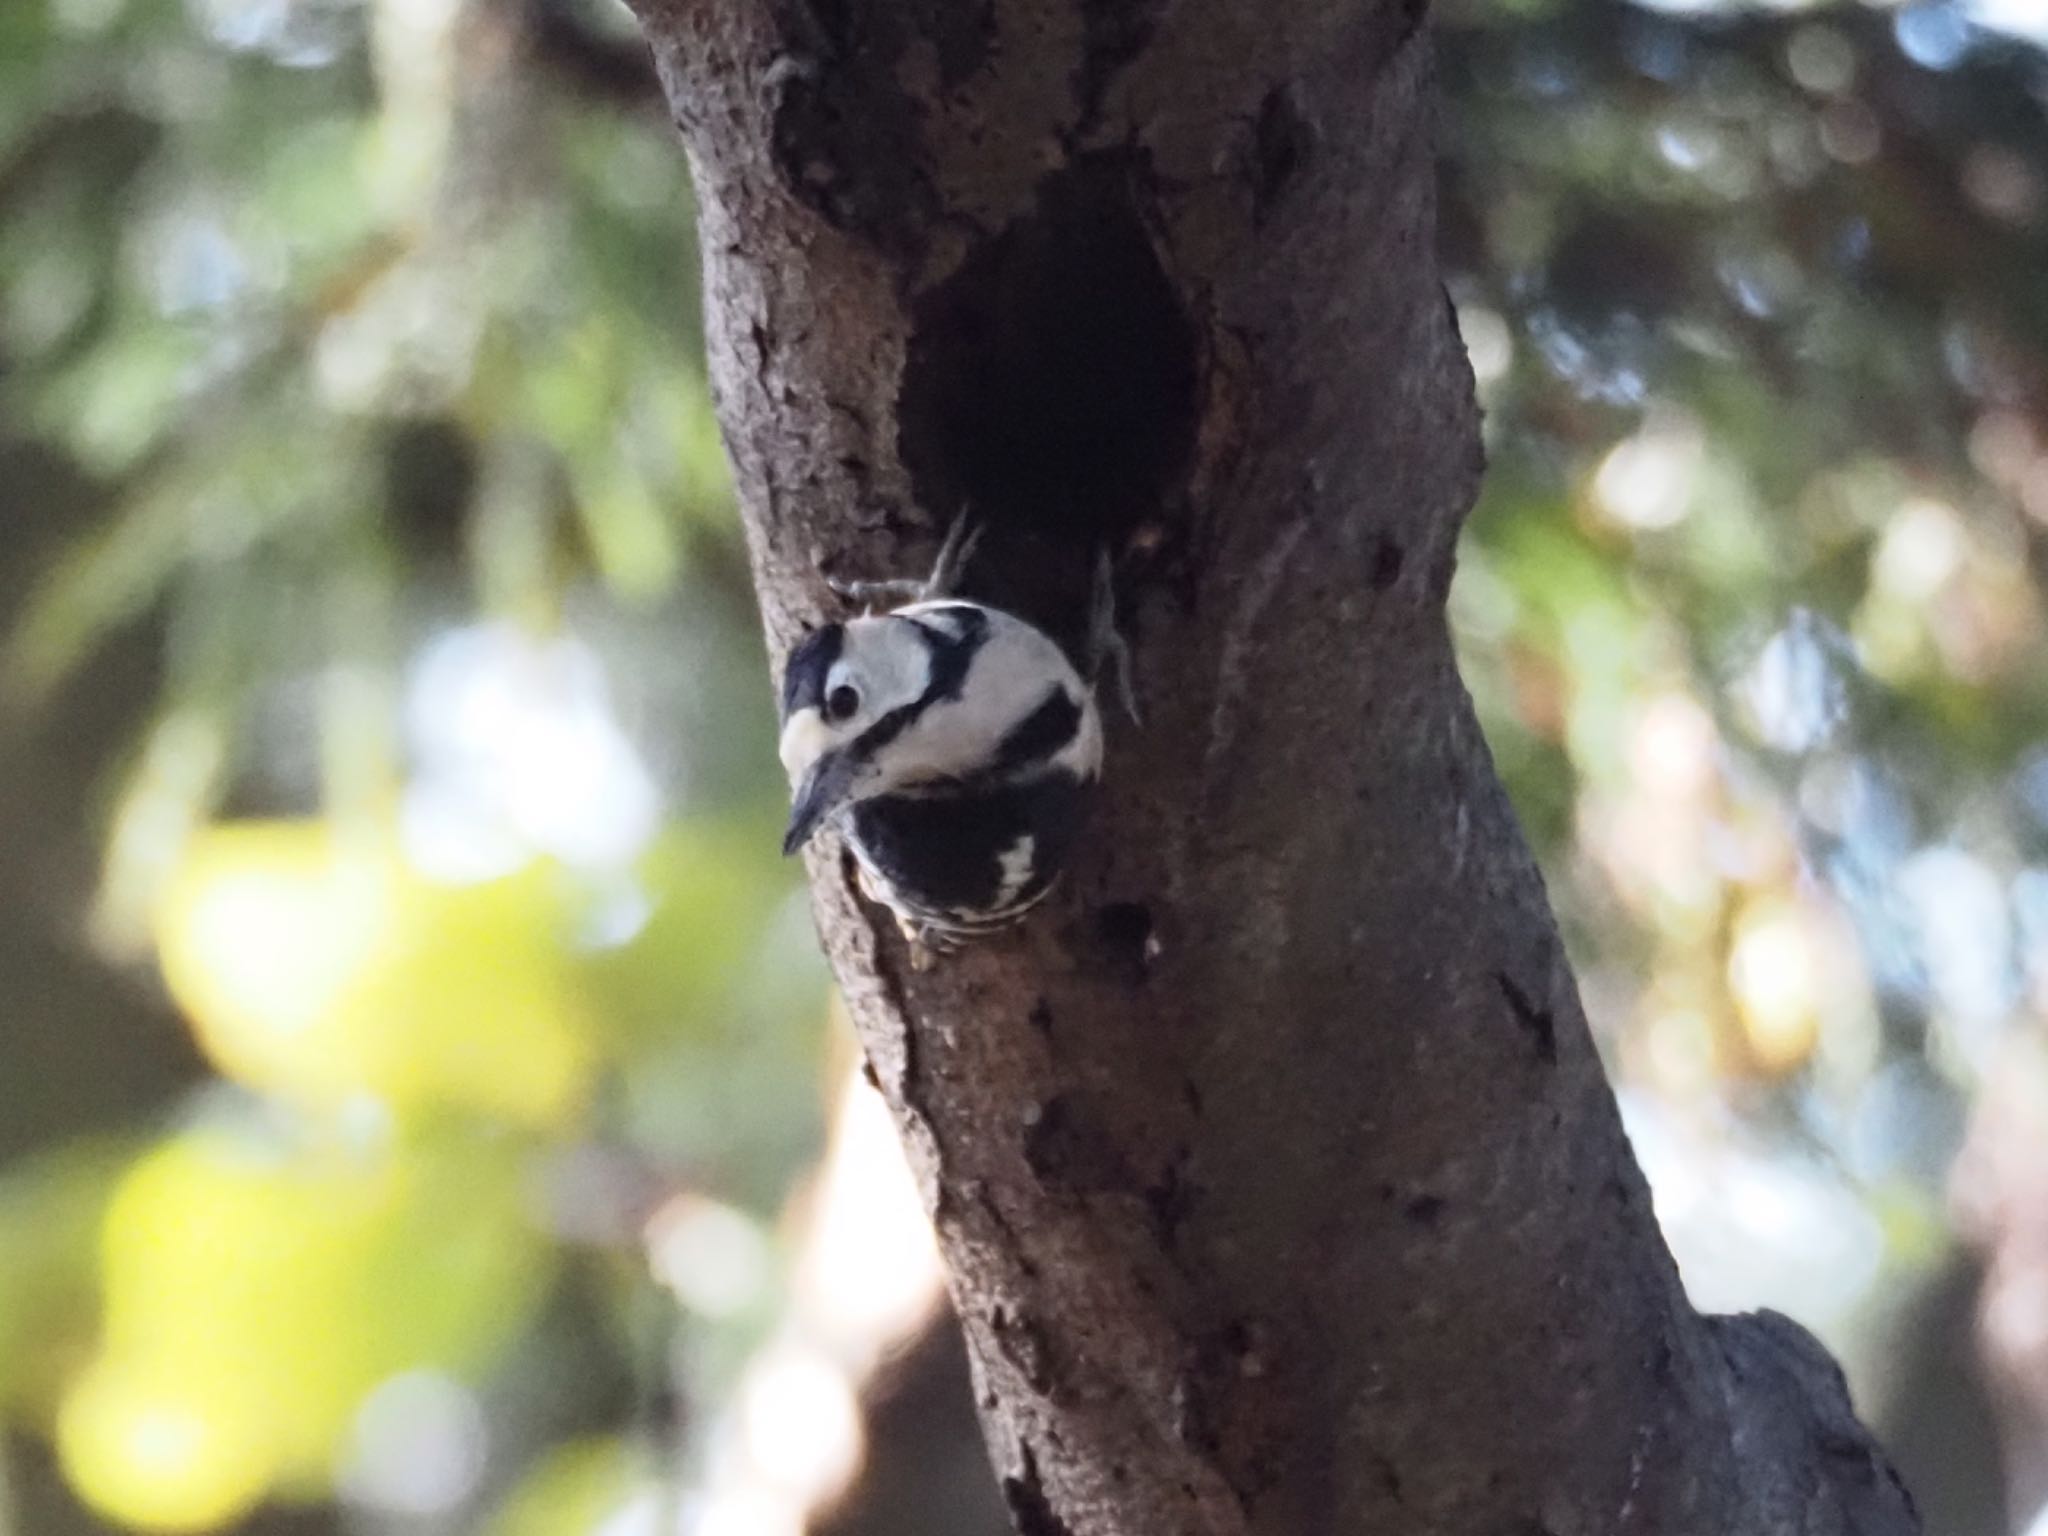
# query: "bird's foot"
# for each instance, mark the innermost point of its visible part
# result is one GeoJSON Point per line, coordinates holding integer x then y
{"type": "Point", "coordinates": [953, 556]}
{"type": "Point", "coordinates": [1106, 643]}
{"type": "Point", "coordinates": [954, 553]}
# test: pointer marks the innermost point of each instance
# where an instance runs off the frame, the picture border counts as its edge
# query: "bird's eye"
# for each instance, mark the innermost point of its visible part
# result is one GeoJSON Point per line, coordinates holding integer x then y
{"type": "Point", "coordinates": [841, 702]}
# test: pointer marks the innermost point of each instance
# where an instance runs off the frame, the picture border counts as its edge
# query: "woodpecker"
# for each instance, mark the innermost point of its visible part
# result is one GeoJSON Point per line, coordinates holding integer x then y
{"type": "Point", "coordinates": [954, 745]}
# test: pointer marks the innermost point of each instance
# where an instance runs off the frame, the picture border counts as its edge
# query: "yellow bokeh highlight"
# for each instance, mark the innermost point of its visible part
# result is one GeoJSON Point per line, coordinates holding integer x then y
{"type": "Point", "coordinates": [255, 1292]}
{"type": "Point", "coordinates": [163, 1449]}
{"type": "Point", "coordinates": [222, 1260]}
{"type": "Point", "coordinates": [314, 963]}
{"type": "Point", "coordinates": [574, 1490]}
{"type": "Point", "coordinates": [1775, 973]}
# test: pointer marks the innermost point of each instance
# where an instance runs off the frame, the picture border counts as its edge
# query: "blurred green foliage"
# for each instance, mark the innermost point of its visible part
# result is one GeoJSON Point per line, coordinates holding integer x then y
{"type": "Point", "coordinates": [351, 377]}
{"type": "Point", "coordinates": [364, 326]}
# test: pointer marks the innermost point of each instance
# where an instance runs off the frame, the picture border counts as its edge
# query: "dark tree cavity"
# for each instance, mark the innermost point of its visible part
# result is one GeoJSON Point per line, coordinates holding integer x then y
{"type": "Point", "coordinates": [1278, 1181]}
{"type": "Point", "coordinates": [1051, 380]}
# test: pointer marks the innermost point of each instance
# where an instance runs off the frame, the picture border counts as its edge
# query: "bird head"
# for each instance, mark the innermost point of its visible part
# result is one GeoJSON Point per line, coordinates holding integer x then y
{"type": "Point", "coordinates": [848, 692]}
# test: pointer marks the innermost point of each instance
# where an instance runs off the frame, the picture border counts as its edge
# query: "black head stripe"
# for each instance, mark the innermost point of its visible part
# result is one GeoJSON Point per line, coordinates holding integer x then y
{"type": "Point", "coordinates": [955, 617]}
{"type": "Point", "coordinates": [953, 645]}
{"type": "Point", "coordinates": [804, 674]}
{"type": "Point", "coordinates": [952, 651]}
{"type": "Point", "coordinates": [1041, 733]}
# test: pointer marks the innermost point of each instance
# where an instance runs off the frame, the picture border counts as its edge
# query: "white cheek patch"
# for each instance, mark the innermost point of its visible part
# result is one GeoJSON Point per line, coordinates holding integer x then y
{"type": "Point", "coordinates": [805, 739]}
{"type": "Point", "coordinates": [897, 662]}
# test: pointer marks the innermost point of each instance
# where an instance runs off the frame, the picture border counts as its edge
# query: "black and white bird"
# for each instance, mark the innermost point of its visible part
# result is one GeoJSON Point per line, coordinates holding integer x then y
{"type": "Point", "coordinates": [955, 745]}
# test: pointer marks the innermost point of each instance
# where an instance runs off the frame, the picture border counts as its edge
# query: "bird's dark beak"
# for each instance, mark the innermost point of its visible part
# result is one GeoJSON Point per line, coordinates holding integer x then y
{"type": "Point", "coordinates": [822, 792]}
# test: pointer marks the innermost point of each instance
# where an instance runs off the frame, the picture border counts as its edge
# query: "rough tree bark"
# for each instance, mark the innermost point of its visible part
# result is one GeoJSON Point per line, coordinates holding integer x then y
{"type": "Point", "coordinates": [1277, 1176]}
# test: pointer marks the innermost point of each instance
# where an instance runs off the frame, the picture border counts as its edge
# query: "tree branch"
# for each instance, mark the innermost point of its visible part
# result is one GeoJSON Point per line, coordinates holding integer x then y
{"type": "Point", "coordinates": [1278, 1179]}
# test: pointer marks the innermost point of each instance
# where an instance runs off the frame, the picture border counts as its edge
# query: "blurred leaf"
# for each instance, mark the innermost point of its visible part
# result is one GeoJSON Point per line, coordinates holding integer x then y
{"type": "Point", "coordinates": [570, 1492]}
{"type": "Point", "coordinates": [316, 964]}
{"type": "Point", "coordinates": [709, 886]}
{"type": "Point", "coordinates": [50, 1215]}
{"type": "Point", "coordinates": [256, 1290]}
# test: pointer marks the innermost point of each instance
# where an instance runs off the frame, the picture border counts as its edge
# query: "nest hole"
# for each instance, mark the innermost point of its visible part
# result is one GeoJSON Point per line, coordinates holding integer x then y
{"type": "Point", "coordinates": [1051, 383]}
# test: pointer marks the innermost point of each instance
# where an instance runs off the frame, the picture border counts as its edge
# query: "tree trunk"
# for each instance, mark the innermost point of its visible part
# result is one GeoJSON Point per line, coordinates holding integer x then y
{"type": "Point", "coordinates": [1278, 1179]}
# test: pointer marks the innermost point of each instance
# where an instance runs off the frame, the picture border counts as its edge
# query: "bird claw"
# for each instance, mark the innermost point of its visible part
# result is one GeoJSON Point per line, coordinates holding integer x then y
{"type": "Point", "coordinates": [953, 556]}
{"type": "Point", "coordinates": [954, 552]}
{"type": "Point", "coordinates": [1106, 642]}
{"type": "Point", "coordinates": [869, 593]}
{"type": "Point", "coordinates": [1126, 690]}
{"type": "Point", "coordinates": [925, 942]}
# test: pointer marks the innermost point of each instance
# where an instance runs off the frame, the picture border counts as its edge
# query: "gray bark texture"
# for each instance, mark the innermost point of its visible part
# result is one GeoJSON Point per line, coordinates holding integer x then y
{"type": "Point", "coordinates": [1278, 1179]}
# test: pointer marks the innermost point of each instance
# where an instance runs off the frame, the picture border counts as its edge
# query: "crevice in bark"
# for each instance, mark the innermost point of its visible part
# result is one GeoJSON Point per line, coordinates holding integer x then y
{"type": "Point", "coordinates": [845, 131]}
{"type": "Point", "coordinates": [1280, 143]}
{"type": "Point", "coordinates": [1067, 1148]}
{"type": "Point", "coordinates": [1535, 1019]}
{"type": "Point", "coordinates": [1024, 1342]}
{"type": "Point", "coordinates": [1025, 1494]}
{"type": "Point", "coordinates": [1116, 33]}
{"type": "Point", "coordinates": [1423, 1210]}
{"type": "Point", "coordinates": [1169, 1199]}
{"type": "Point", "coordinates": [848, 153]}
{"type": "Point", "coordinates": [1123, 929]}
